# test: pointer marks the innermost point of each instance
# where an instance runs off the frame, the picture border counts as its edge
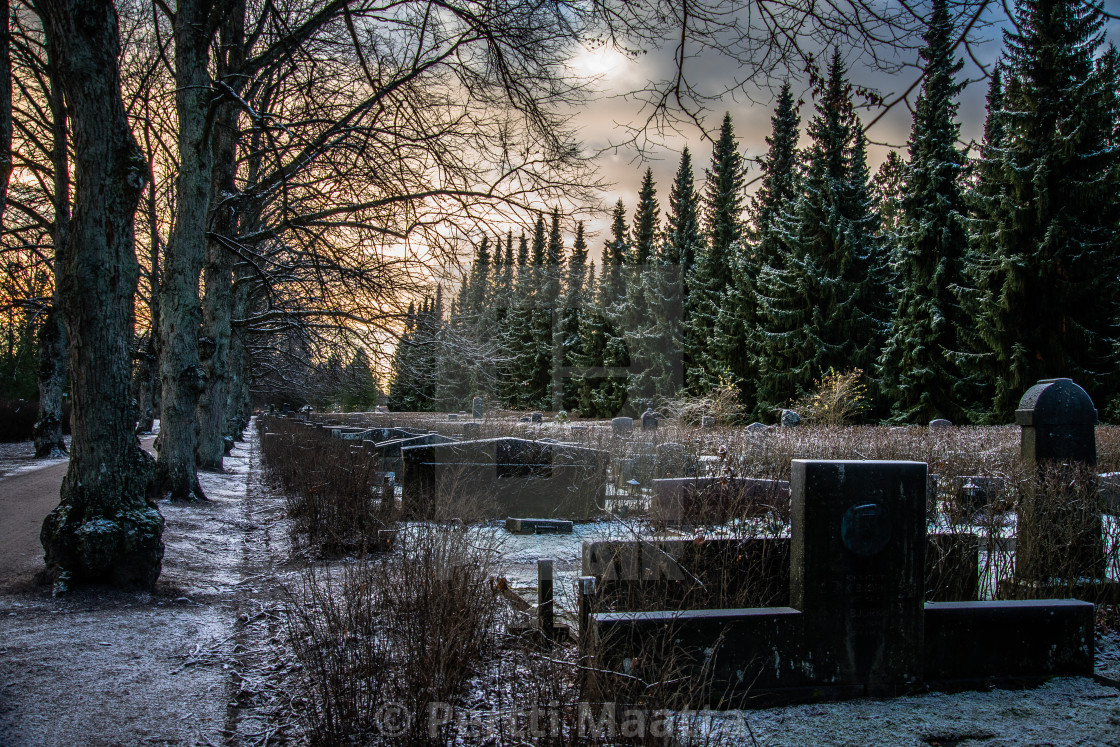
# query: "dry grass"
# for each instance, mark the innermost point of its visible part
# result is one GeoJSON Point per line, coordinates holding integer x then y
{"type": "Point", "coordinates": [334, 490]}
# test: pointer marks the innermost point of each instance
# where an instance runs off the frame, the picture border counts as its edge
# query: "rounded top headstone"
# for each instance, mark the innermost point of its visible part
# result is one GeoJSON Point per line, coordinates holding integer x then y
{"type": "Point", "coordinates": [790, 418]}
{"type": "Point", "coordinates": [940, 423]}
{"type": "Point", "coordinates": [1055, 402]}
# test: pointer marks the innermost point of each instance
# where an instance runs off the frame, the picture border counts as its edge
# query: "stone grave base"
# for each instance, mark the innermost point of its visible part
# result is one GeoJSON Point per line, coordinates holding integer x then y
{"type": "Point", "coordinates": [756, 658]}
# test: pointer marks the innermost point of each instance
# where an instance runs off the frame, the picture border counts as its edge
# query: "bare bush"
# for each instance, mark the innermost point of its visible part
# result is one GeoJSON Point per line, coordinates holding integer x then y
{"type": "Point", "coordinates": [385, 643]}
{"type": "Point", "coordinates": [333, 488]}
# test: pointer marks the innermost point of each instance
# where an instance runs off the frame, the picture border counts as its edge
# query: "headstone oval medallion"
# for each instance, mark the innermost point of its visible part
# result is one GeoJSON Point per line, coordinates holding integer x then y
{"type": "Point", "coordinates": [865, 529]}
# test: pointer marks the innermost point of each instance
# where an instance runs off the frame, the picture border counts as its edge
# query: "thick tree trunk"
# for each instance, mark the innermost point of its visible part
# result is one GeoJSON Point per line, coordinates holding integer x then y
{"type": "Point", "coordinates": [216, 307]}
{"type": "Point", "coordinates": [52, 381]}
{"type": "Point", "coordinates": [181, 372]}
{"type": "Point", "coordinates": [5, 107]}
{"type": "Point", "coordinates": [238, 401]}
{"type": "Point", "coordinates": [107, 527]}
{"type": "Point", "coordinates": [144, 387]}
{"type": "Point", "coordinates": [52, 335]}
{"type": "Point", "coordinates": [217, 304]}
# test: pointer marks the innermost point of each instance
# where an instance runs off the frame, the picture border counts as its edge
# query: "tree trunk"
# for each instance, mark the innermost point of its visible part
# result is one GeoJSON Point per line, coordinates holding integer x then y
{"type": "Point", "coordinates": [52, 381]}
{"type": "Point", "coordinates": [238, 400]}
{"type": "Point", "coordinates": [106, 527]}
{"type": "Point", "coordinates": [5, 107]}
{"type": "Point", "coordinates": [147, 373]}
{"type": "Point", "coordinates": [216, 307]}
{"type": "Point", "coordinates": [181, 372]}
{"type": "Point", "coordinates": [52, 335]}
{"type": "Point", "coordinates": [217, 304]}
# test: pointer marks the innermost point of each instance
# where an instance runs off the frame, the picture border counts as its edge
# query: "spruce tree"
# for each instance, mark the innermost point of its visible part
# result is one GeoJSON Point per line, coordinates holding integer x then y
{"type": "Point", "coordinates": [605, 355]}
{"type": "Point", "coordinates": [572, 312]}
{"type": "Point", "coordinates": [1051, 302]}
{"type": "Point", "coordinates": [984, 204]}
{"type": "Point", "coordinates": [887, 190]}
{"type": "Point", "coordinates": [635, 314]}
{"type": "Point", "coordinates": [778, 299]}
{"type": "Point", "coordinates": [402, 382]}
{"type": "Point", "coordinates": [711, 277]}
{"type": "Point", "coordinates": [517, 338]}
{"type": "Point", "coordinates": [551, 335]}
{"type": "Point", "coordinates": [837, 255]}
{"type": "Point", "coordinates": [683, 242]}
{"type": "Point", "coordinates": [919, 367]}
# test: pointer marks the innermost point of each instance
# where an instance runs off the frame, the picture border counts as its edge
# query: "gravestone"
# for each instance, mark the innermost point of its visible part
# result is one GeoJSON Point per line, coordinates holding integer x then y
{"type": "Point", "coordinates": [707, 421]}
{"type": "Point", "coordinates": [536, 417]}
{"type": "Point", "coordinates": [1060, 531]}
{"type": "Point", "coordinates": [470, 430]}
{"type": "Point", "coordinates": [790, 419]}
{"type": "Point", "coordinates": [452, 416]}
{"type": "Point", "coordinates": [856, 624]}
{"type": "Point", "coordinates": [389, 452]}
{"type": "Point", "coordinates": [649, 420]}
{"type": "Point", "coordinates": [940, 423]}
{"type": "Point", "coordinates": [860, 589]}
{"type": "Point", "coordinates": [757, 428]}
{"type": "Point", "coordinates": [622, 426]}
{"type": "Point", "coordinates": [538, 526]}
{"type": "Point", "coordinates": [478, 410]}
{"type": "Point", "coordinates": [503, 477]}
{"type": "Point", "coordinates": [1058, 423]}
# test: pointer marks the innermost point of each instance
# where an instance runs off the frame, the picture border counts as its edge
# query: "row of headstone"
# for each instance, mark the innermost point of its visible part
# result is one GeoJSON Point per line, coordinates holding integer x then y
{"type": "Point", "coordinates": [857, 622]}
{"type": "Point", "coordinates": [503, 477]}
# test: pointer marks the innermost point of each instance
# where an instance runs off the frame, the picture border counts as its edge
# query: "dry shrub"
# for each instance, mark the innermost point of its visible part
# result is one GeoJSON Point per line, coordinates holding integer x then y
{"type": "Point", "coordinates": [333, 488]}
{"type": "Point", "coordinates": [722, 403]}
{"type": "Point", "coordinates": [385, 642]}
{"type": "Point", "coordinates": [837, 398]}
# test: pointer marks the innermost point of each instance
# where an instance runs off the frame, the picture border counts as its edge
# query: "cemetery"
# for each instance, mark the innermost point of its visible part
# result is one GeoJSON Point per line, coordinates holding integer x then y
{"type": "Point", "coordinates": [674, 567]}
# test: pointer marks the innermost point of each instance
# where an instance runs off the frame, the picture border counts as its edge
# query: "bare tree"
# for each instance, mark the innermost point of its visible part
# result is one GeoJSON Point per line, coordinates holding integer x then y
{"type": "Point", "coordinates": [106, 527]}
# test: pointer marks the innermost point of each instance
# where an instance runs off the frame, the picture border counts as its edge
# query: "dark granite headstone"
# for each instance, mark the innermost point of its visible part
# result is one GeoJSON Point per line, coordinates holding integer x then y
{"type": "Point", "coordinates": [1060, 531]}
{"type": "Point", "coordinates": [649, 420]}
{"type": "Point", "coordinates": [940, 423]}
{"type": "Point", "coordinates": [790, 419]}
{"type": "Point", "coordinates": [537, 417]}
{"type": "Point", "coordinates": [860, 588]}
{"type": "Point", "coordinates": [478, 410]}
{"type": "Point", "coordinates": [622, 426]}
{"type": "Point", "coordinates": [504, 477]}
{"type": "Point", "coordinates": [1058, 423]}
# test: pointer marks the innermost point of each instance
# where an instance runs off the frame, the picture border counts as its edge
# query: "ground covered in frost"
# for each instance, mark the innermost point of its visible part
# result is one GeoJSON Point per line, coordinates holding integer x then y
{"type": "Point", "coordinates": [203, 660]}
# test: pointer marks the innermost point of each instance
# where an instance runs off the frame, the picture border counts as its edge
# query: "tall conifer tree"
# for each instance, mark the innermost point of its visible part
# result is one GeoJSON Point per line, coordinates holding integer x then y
{"type": "Point", "coordinates": [684, 241]}
{"type": "Point", "coordinates": [711, 277]}
{"type": "Point", "coordinates": [837, 247]}
{"type": "Point", "coordinates": [1051, 302]}
{"type": "Point", "coordinates": [779, 302]}
{"type": "Point", "coordinates": [605, 356]}
{"type": "Point", "coordinates": [919, 364]}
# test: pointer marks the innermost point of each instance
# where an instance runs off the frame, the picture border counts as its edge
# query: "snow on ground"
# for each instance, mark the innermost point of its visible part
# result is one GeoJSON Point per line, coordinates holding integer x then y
{"type": "Point", "coordinates": [1064, 711]}
{"type": "Point", "coordinates": [100, 666]}
{"type": "Point", "coordinates": [18, 457]}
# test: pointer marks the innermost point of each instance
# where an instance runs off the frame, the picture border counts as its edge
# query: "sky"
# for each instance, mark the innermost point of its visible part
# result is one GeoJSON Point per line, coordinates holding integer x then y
{"type": "Point", "coordinates": [602, 125]}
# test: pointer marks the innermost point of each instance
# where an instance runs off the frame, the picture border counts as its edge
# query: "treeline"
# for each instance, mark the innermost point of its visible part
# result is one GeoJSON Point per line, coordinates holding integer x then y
{"type": "Point", "coordinates": [953, 283]}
